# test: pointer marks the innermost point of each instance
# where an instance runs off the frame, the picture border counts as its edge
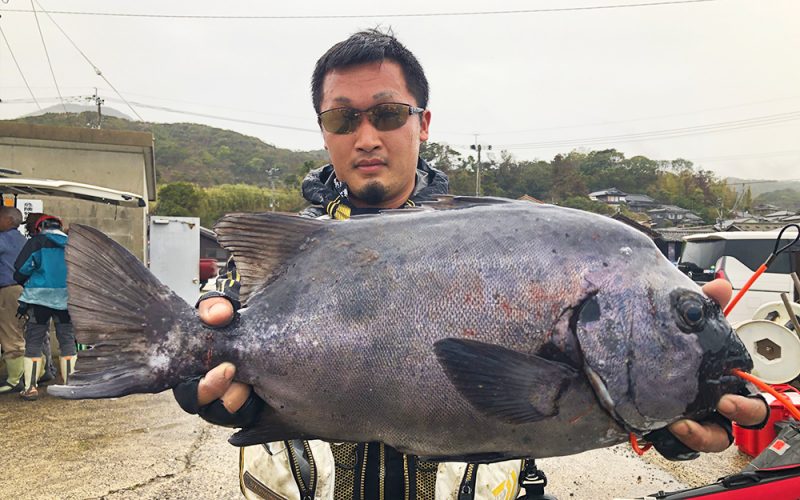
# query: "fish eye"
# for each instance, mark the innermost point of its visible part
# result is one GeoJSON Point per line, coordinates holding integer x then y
{"type": "Point", "coordinates": [692, 313]}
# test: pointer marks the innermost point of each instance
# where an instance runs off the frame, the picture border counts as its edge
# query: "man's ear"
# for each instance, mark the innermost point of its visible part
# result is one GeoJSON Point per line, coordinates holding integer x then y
{"type": "Point", "coordinates": [424, 123]}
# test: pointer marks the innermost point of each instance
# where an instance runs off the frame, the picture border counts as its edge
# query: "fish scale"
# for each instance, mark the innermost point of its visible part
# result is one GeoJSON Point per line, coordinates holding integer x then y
{"type": "Point", "coordinates": [483, 330]}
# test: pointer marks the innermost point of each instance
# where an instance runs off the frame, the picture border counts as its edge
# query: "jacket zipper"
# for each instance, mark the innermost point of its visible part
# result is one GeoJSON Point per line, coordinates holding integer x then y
{"type": "Point", "coordinates": [467, 489]}
{"type": "Point", "coordinates": [313, 466]}
{"type": "Point", "coordinates": [306, 491]}
{"type": "Point", "coordinates": [406, 478]}
{"type": "Point", "coordinates": [364, 469]}
{"type": "Point", "coordinates": [382, 472]}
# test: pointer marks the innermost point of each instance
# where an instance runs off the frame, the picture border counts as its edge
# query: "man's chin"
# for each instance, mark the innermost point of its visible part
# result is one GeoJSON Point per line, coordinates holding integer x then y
{"type": "Point", "coordinates": [372, 193]}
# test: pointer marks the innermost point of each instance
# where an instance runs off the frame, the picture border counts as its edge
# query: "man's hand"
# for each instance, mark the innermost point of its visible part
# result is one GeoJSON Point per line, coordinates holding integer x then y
{"type": "Point", "coordinates": [218, 382]}
{"type": "Point", "coordinates": [711, 437]}
{"type": "Point", "coordinates": [215, 311]}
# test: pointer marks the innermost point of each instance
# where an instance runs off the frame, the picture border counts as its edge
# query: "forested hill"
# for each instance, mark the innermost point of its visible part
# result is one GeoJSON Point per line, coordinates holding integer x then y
{"type": "Point", "coordinates": [201, 154]}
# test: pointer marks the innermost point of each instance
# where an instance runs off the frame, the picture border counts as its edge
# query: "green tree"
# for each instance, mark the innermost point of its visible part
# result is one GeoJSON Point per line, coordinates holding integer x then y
{"type": "Point", "coordinates": [584, 203]}
{"type": "Point", "coordinates": [440, 156]}
{"type": "Point", "coordinates": [181, 199]}
{"type": "Point", "coordinates": [567, 179]}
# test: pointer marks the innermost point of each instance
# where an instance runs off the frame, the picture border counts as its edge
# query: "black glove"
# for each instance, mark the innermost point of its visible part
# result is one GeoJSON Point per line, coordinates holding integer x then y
{"type": "Point", "coordinates": [672, 448]}
{"type": "Point", "coordinates": [215, 412]}
{"type": "Point", "coordinates": [22, 311]}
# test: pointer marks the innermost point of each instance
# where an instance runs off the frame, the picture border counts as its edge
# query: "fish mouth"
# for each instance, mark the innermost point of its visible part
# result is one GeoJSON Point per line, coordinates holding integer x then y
{"type": "Point", "coordinates": [724, 352]}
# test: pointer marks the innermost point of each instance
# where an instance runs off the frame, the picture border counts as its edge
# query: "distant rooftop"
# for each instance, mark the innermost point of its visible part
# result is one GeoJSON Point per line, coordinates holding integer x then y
{"type": "Point", "coordinates": [608, 192]}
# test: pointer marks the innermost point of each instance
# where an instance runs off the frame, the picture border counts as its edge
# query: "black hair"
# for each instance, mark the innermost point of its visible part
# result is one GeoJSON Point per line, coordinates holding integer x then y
{"type": "Point", "coordinates": [366, 47]}
{"type": "Point", "coordinates": [30, 222]}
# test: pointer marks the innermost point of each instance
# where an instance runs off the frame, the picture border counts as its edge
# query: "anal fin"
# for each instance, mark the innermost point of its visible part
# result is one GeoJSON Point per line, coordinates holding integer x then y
{"type": "Point", "coordinates": [268, 429]}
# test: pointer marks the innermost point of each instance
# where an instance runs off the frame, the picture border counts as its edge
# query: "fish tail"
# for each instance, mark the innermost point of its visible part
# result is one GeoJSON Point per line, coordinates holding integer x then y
{"type": "Point", "coordinates": [145, 338]}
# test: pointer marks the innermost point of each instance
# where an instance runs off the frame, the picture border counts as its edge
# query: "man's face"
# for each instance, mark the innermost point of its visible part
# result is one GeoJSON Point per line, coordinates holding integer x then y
{"type": "Point", "coordinates": [379, 168]}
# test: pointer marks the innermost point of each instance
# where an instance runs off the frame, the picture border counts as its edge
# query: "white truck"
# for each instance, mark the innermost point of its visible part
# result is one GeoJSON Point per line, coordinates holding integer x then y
{"type": "Point", "coordinates": [735, 256]}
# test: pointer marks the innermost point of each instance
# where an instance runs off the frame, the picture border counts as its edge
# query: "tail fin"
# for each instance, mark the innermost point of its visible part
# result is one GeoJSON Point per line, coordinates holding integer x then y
{"type": "Point", "coordinates": [146, 339]}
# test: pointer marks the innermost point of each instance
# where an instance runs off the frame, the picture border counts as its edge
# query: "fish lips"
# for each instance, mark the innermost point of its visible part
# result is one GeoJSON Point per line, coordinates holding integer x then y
{"type": "Point", "coordinates": [723, 352]}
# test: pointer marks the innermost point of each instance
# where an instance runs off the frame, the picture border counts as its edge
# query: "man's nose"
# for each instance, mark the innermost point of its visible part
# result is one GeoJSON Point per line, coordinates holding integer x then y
{"type": "Point", "coordinates": [367, 136]}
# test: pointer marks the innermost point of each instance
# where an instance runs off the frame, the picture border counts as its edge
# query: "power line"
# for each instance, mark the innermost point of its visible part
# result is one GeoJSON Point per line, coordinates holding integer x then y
{"type": "Point", "coordinates": [47, 54]}
{"type": "Point", "coordinates": [758, 121]}
{"type": "Point", "coordinates": [19, 68]}
{"type": "Point", "coordinates": [96, 69]}
{"type": "Point", "coordinates": [749, 156]}
{"type": "Point", "coordinates": [629, 120]}
{"type": "Point", "coordinates": [226, 118]}
{"type": "Point", "coordinates": [181, 112]}
{"type": "Point", "coordinates": [371, 16]}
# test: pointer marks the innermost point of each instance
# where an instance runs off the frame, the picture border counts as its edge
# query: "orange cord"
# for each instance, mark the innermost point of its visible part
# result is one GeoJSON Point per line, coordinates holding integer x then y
{"type": "Point", "coordinates": [635, 445]}
{"type": "Point", "coordinates": [785, 401]}
{"type": "Point", "coordinates": [745, 288]}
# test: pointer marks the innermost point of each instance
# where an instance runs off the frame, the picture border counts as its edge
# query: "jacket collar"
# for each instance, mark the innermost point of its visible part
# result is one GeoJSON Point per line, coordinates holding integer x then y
{"type": "Point", "coordinates": [321, 187]}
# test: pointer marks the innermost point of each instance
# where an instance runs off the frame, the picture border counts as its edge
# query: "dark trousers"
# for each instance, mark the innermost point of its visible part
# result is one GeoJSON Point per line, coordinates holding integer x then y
{"type": "Point", "coordinates": [36, 330]}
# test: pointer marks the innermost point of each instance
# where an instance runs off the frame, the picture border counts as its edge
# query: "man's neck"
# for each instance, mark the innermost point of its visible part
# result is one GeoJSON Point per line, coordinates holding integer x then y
{"type": "Point", "coordinates": [395, 202]}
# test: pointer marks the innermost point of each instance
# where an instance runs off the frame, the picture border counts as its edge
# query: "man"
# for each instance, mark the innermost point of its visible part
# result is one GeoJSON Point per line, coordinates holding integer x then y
{"type": "Point", "coordinates": [42, 271]}
{"type": "Point", "coordinates": [12, 342]}
{"type": "Point", "coordinates": [370, 95]}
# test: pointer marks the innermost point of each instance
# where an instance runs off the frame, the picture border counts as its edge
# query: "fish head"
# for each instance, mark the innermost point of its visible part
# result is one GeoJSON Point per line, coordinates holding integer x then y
{"type": "Point", "coordinates": [655, 354]}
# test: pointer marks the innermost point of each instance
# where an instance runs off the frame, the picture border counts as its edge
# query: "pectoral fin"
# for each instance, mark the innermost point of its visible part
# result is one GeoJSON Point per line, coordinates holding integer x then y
{"type": "Point", "coordinates": [514, 387]}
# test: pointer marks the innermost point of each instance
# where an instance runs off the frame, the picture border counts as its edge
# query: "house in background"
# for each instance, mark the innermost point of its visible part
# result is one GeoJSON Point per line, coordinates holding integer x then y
{"type": "Point", "coordinates": [640, 202]}
{"type": "Point", "coordinates": [671, 215]}
{"type": "Point", "coordinates": [611, 196]}
{"type": "Point", "coordinates": [764, 208]}
{"type": "Point", "coordinates": [526, 197]}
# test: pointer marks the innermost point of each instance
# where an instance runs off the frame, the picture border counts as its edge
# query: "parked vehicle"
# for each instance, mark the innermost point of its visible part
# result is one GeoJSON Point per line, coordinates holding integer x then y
{"type": "Point", "coordinates": [208, 270]}
{"type": "Point", "coordinates": [735, 256]}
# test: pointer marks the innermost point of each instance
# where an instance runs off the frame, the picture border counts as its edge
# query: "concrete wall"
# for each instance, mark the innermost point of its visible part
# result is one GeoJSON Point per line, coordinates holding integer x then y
{"type": "Point", "coordinates": [114, 159]}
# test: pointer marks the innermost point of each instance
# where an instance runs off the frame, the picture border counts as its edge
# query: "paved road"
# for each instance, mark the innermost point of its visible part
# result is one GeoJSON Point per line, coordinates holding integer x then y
{"type": "Point", "coordinates": [139, 446]}
{"type": "Point", "coordinates": [145, 447]}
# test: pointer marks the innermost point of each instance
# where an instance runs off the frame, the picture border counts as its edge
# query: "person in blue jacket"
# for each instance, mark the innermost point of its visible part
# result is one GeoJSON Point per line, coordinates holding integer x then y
{"type": "Point", "coordinates": [42, 271]}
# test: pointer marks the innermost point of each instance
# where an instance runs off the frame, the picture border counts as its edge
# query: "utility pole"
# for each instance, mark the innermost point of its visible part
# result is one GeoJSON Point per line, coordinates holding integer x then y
{"type": "Point", "coordinates": [477, 147]}
{"type": "Point", "coordinates": [97, 100]}
{"type": "Point", "coordinates": [271, 173]}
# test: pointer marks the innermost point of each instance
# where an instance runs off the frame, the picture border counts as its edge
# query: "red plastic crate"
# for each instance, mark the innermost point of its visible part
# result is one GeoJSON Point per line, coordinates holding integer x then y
{"type": "Point", "coordinates": [753, 442]}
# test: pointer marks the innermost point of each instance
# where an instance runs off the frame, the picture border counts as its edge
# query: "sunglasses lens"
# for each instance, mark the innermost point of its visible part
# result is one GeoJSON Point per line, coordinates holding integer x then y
{"type": "Point", "coordinates": [386, 117]}
{"type": "Point", "coordinates": [340, 120]}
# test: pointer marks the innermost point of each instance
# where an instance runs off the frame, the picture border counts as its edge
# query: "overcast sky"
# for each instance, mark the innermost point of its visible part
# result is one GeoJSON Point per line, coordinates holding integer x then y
{"type": "Point", "coordinates": [716, 81]}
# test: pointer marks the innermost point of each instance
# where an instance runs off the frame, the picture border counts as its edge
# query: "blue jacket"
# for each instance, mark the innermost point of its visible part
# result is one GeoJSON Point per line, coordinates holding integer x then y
{"type": "Point", "coordinates": [42, 270]}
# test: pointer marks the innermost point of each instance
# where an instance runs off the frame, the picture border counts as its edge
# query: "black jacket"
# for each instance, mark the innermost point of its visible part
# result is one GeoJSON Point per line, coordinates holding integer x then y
{"type": "Point", "coordinates": [323, 190]}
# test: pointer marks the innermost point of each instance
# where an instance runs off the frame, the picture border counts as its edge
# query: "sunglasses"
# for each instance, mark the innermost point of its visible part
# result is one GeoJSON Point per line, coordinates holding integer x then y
{"type": "Point", "coordinates": [384, 117]}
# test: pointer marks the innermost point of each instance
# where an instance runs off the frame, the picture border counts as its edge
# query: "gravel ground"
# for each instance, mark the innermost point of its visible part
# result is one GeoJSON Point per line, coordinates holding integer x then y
{"type": "Point", "coordinates": [145, 447]}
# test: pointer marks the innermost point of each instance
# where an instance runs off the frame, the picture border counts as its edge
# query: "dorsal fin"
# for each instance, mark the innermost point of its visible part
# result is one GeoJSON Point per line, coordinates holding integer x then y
{"type": "Point", "coordinates": [438, 203]}
{"type": "Point", "coordinates": [261, 244]}
{"type": "Point", "coordinates": [452, 202]}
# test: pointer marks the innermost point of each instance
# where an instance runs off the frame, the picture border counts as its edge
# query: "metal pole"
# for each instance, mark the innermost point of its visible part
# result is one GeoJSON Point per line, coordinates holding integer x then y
{"type": "Point", "coordinates": [477, 147]}
{"type": "Point", "coordinates": [478, 174]}
{"type": "Point", "coordinates": [790, 311]}
{"type": "Point", "coordinates": [271, 173]}
{"type": "Point", "coordinates": [272, 194]}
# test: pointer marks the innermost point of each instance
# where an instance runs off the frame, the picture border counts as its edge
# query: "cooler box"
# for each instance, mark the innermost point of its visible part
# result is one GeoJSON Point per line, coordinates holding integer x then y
{"type": "Point", "coordinates": [753, 442]}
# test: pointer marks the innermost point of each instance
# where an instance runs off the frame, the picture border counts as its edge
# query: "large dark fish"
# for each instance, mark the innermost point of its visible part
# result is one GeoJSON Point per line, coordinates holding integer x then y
{"type": "Point", "coordinates": [499, 329]}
